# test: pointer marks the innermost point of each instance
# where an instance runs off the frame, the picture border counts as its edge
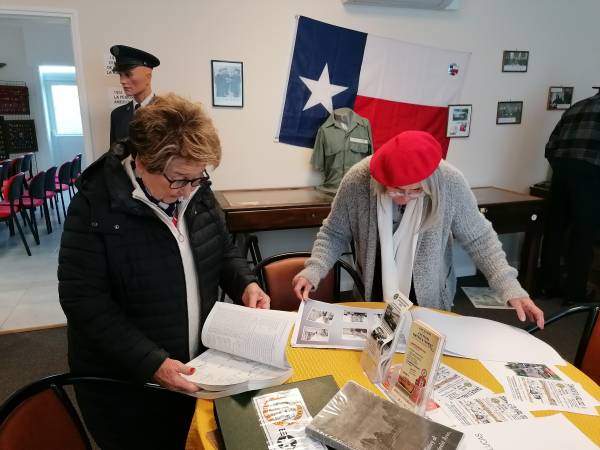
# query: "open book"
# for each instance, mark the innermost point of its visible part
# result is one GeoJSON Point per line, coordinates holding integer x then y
{"type": "Point", "coordinates": [246, 351]}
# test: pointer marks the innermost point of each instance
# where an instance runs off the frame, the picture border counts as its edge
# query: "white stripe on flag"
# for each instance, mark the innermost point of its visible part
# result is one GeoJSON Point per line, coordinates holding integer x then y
{"type": "Point", "coordinates": [410, 73]}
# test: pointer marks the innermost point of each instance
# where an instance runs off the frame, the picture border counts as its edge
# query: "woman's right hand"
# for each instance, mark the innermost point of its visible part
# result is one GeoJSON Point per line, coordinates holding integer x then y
{"type": "Point", "coordinates": [169, 376]}
{"type": "Point", "coordinates": [301, 287]}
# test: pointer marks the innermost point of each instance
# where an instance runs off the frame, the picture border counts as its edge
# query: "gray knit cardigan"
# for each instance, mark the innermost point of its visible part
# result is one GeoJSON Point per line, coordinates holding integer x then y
{"type": "Point", "coordinates": [354, 216]}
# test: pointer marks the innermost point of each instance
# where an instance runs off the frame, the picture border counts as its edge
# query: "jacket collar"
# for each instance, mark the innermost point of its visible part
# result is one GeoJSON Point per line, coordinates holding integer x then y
{"type": "Point", "coordinates": [334, 121]}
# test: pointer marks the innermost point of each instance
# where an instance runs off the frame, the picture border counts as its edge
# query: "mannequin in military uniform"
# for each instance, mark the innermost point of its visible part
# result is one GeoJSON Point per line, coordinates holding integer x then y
{"type": "Point", "coordinates": [135, 74]}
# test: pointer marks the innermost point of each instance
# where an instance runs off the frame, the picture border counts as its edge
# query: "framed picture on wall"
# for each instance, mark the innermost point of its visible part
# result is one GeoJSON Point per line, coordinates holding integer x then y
{"type": "Point", "coordinates": [459, 121]}
{"type": "Point", "coordinates": [560, 97]}
{"type": "Point", "coordinates": [509, 113]}
{"type": "Point", "coordinates": [227, 83]}
{"type": "Point", "coordinates": [515, 61]}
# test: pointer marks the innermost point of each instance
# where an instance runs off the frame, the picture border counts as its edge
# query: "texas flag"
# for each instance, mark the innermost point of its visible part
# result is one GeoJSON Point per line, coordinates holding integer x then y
{"type": "Point", "coordinates": [396, 85]}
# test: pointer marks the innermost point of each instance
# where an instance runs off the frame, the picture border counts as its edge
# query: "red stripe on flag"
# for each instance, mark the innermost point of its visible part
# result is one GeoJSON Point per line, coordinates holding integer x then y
{"type": "Point", "coordinates": [389, 118]}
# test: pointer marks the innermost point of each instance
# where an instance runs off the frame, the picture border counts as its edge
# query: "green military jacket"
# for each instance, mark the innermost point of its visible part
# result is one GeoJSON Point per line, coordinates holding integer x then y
{"type": "Point", "coordinates": [342, 141]}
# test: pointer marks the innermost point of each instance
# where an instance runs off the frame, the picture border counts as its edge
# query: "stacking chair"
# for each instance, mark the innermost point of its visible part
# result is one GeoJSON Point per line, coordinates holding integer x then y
{"type": "Point", "coordinates": [277, 272]}
{"type": "Point", "coordinates": [42, 416]}
{"type": "Point", "coordinates": [587, 358]}
{"type": "Point", "coordinates": [62, 182]}
{"type": "Point", "coordinates": [15, 166]}
{"type": "Point", "coordinates": [36, 197]}
{"type": "Point", "coordinates": [50, 186]}
{"type": "Point", "coordinates": [4, 174]}
{"type": "Point", "coordinates": [26, 166]}
{"type": "Point", "coordinates": [75, 172]}
{"type": "Point", "coordinates": [13, 190]}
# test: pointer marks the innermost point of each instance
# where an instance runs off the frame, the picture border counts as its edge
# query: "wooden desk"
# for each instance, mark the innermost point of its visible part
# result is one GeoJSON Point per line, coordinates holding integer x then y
{"type": "Point", "coordinates": [247, 211]}
{"type": "Point", "coordinates": [344, 365]}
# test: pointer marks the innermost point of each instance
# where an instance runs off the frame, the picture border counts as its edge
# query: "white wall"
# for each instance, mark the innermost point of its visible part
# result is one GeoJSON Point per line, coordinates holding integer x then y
{"type": "Point", "coordinates": [563, 39]}
{"type": "Point", "coordinates": [25, 44]}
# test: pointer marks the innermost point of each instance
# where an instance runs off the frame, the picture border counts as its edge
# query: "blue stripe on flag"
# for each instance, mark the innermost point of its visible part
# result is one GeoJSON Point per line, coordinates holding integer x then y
{"type": "Point", "coordinates": [318, 43]}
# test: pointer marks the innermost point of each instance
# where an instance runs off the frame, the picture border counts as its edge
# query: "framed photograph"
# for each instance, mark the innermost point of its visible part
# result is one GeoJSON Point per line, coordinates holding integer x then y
{"type": "Point", "coordinates": [459, 121]}
{"type": "Point", "coordinates": [515, 61]}
{"type": "Point", "coordinates": [227, 83]}
{"type": "Point", "coordinates": [560, 97]}
{"type": "Point", "coordinates": [509, 113]}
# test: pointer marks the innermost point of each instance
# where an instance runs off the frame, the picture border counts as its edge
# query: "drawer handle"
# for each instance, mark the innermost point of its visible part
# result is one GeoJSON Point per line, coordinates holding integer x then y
{"type": "Point", "coordinates": [313, 215]}
{"type": "Point", "coordinates": [483, 210]}
{"type": "Point", "coordinates": [533, 217]}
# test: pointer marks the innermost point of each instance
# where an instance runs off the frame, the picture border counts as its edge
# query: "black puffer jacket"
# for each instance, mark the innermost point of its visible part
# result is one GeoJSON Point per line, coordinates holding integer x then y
{"type": "Point", "coordinates": [121, 278]}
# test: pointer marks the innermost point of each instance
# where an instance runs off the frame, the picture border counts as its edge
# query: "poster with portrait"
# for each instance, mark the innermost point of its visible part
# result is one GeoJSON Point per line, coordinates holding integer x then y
{"type": "Point", "coordinates": [227, 83]}
{"type": "Point", "coordinates": [560, 97]}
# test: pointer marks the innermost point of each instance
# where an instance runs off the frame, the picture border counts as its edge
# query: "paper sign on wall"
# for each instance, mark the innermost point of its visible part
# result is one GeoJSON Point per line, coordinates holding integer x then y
{"type": "Point", "coordinates": [109, 63]}
{"type": "Point", "coordinates": [117, 97]}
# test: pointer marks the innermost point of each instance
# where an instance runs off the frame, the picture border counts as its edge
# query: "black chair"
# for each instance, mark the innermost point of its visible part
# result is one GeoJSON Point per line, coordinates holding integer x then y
{"type": "Point", "coordinates": [4, 174]}
{"type": "Point", "coordinates": [36, 197]}
{"type": "Point", "coordinates": [587, 358]}
{"type": "Point", "coordinates": [26, 166]}
{"type": "Point", "coordinates": [62, 182]}
{"type": "Point", "coordinates": [42, 416]}
{"type": "Point", "coordinates": [15, 166]}
{"type": "Point", "coordinates": [75, 172]}
{"type": "Point", "coordinates": [9, 207]}
{"type": "Point", "coordinates": [277, 272]}
{"type": "Point", "coordinates": [50, 187]}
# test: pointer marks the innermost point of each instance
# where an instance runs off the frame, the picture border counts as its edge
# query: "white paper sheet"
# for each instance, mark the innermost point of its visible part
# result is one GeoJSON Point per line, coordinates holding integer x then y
{"type": "Point", "coordinates": [484, 339]}
{"type": "Point", "coordinates": [541, 433]}
{"type": "Point", "coordinates": [541, 387]}
{"type": "Point", "coordinates": [473, 411]}
{"type": "Point", "coordinates": [452, 385]}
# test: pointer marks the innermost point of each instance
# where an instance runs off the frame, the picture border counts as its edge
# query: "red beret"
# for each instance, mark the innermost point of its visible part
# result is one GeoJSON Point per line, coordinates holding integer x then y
{"type": "Point", "coordinates": [407, 158]}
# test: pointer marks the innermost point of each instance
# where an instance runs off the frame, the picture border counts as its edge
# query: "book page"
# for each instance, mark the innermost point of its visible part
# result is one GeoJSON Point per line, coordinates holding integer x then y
{"type": "Point", "coordinates": [256, 334]}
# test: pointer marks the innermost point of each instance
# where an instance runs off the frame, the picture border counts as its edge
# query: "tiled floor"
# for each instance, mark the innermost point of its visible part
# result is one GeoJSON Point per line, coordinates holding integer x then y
{"type": "Point", "coordinates": [28, 284]}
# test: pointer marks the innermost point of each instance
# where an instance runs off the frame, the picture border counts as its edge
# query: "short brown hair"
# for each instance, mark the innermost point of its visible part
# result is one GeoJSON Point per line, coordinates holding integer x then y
{"type": "Point", "coordinates": [171, 127]}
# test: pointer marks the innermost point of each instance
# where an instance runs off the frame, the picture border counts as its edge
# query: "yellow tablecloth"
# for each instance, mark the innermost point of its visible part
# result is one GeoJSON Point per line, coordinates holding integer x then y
{"type": "Point", "coordinates": [344, 365]}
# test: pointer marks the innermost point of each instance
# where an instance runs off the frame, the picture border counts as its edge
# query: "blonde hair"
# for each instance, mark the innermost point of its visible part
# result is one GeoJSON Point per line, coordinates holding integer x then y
{"type": "Point", "coordinates": [173, 127]}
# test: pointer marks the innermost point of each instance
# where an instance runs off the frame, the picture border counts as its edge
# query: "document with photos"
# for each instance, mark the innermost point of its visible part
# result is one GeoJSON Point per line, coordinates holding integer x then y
{"type": "Point", "coordinates": [383, 338]}
{"type": "Point", "coordinates": [473, 411]}
{"type": "Point", "coordinates": [246, 350]}
{"type": "Point", "coordinates": [541, 387]}
{"type": "Point", "coordinates": [485, 297]}
{"type": "Point", "coordinates": [413, 384]}
{"type": "Point", "coordinates": [328, 325]}
{"type": "Point", "coordinates": [452, 385]}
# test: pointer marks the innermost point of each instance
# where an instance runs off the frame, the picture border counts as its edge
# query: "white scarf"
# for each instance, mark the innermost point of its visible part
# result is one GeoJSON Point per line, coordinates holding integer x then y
{"type": "Point", "coordinates": [397, 249]}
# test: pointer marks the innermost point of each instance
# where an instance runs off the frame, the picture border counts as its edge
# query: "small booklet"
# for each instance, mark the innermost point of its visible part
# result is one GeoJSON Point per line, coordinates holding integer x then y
{"type": "Point", "coordinates": [246, 351]}
{"type": "Point", "coordinates": [410, 384]}
{"type": "Point", "coordinates": [485, 297]}
{"type": "Point", "coordinates": [357, 419]}
{"type": "Point", "coordinates": [383, 338]}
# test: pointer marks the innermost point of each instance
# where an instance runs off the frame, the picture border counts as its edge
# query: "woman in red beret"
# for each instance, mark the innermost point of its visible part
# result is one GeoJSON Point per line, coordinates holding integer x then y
{"type": "Point", "coordinates": [403, 207]}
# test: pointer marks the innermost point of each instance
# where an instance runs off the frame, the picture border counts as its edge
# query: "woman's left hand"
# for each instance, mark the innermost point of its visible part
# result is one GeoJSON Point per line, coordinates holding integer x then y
{"type": "Point", "coordinates": [255, 297]}
{"type": "Point", "coordinates": [525, 308]}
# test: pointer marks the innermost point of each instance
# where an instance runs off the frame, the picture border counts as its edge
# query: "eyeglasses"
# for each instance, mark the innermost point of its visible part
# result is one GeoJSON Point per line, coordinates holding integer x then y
{"type": "Point", "coordinates": [410, 193]}
{"type": "Point", "coordinates": [178, 184]}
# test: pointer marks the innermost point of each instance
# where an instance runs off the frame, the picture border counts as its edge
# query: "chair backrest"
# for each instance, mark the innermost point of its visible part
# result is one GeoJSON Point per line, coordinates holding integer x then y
{"type": "Point", "coordinates": [277, 272]}
{"type": "Point", "coordinates": [37, 186]}
{"type": "Point", "coordinates": [75, 162]}
{"type": "Point", "coordinates": [5, 170]}
{"type": "Point", "coordinates": [16, 164]}
{"type": "Point", "coordinates": [586, 358]}
{"type": "Point", "coordinates": [41, 415]}
{"type": "Point", "coordinates": [50, 179]}
{"type": "Point", "coordinates": [13, 189]}
{"type": "Point", "coordinates": [26, 164]}
{"type": "Point", "coordinates": [64, 173]}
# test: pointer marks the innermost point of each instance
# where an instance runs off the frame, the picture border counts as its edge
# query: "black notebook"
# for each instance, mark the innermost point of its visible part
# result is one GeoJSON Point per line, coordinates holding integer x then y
{"type": "Point", "coordinates": [357, 419]}
{"type": "Point", "coordinates": [238, 421]}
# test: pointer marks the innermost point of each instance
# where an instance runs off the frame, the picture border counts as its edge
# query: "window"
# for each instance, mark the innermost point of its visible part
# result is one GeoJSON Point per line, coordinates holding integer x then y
{"type": "Point", "coordinates": [61, 100]}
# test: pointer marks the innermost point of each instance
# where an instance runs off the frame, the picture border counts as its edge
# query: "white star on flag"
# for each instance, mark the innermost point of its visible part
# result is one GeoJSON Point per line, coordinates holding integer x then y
{"type": "Point", "coordinates": [321, 91]}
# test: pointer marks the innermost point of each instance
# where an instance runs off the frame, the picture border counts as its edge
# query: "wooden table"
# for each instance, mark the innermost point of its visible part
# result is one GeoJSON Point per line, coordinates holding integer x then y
{"type": "Point", "coordinates": [344, 365]}
{"type": "Point", "coordinates": [252, 210]}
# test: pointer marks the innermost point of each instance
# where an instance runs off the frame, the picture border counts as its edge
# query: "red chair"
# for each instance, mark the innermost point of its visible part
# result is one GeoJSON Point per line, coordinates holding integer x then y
{"type": "Point", "coordinates": [75, 172]}
{"type": "Point", "coordinates": [9, 208]}
{"type": "Point", "coordinates": [34, 198]}
{"type": "Point", "coordinates": [62, 183]}
{"type": "Point", "coordinates": [50, 186]}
